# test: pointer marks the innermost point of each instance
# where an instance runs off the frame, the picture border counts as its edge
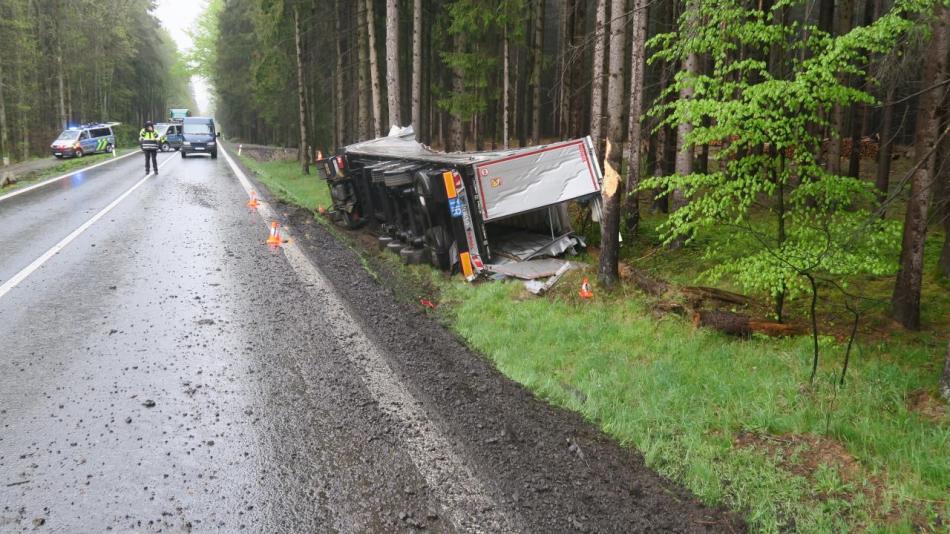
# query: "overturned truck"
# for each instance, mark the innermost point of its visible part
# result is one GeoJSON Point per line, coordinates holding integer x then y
{"type": "Point", "coordinates": [474, 212]}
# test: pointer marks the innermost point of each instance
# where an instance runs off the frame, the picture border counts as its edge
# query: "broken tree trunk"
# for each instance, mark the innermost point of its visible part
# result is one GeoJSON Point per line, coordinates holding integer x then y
{"type": "Point", "coordinates": [736, 324]}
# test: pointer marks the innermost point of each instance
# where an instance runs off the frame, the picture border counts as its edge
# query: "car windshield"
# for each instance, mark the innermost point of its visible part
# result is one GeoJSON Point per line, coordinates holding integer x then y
{"type": "Point", "coordinates": [68, 135]}
{"type": "Point", "coordinates": [198, 128]}
{"type": "Point", "coordinates": [160, 128]}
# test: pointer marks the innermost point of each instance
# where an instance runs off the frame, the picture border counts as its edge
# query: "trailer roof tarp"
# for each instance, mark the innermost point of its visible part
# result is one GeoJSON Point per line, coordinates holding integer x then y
{"type": "Point", "coordinates": [509, 182]}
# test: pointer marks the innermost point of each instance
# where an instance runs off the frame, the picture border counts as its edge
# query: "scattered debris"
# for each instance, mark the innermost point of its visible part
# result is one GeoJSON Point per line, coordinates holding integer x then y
{"type": "Point", "coordinates": [149, 403]}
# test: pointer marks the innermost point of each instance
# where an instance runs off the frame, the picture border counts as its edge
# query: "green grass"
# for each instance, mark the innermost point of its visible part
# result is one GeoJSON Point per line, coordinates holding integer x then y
{"type": "Point", "coordinates": [690, 399]}
{"type": "Point", "coordinates": [61, 167]}
{"type": "Point", "coordinates": [285, 180]}
{"type": "Point", "coordinates": [683, 396]}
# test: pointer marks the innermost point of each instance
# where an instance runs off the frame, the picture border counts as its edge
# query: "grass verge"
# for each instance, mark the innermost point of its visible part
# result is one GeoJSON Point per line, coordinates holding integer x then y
{"type": "Point", "coordinates": [734, 421]}
{"type": "Point", "coordinates": [61, 167]}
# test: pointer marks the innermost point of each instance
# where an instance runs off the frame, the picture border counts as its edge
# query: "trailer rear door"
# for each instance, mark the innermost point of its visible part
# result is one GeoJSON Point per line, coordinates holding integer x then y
{"type": "Point", "coordinates": [537, 178]}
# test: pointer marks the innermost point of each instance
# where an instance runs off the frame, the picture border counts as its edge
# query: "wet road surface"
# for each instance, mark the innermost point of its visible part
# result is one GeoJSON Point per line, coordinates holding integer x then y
{"type": "Point", "coordinates": [165, 371]}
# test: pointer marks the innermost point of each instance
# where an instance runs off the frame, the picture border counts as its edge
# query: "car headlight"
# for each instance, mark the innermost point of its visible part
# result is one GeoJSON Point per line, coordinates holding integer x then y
{"type": "Point", "coordinates": [187, 143]}
{"type": "Point", "coordinates": [210, 143]}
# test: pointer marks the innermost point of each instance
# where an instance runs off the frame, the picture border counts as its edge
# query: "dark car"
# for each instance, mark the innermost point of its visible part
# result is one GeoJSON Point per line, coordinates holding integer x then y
{"type": "Point", "coordinates": [199, 137]}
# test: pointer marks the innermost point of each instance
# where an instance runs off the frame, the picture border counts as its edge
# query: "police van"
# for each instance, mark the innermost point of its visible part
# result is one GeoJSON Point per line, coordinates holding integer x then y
{"type": "Point", "coordinates": [86, 139]}
{"type": "Point", "coordinates": [169, 135]}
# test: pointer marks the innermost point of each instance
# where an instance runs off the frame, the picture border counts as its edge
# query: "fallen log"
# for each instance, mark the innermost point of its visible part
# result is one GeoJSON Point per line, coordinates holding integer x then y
{"type": "Point", "coordinates": [647, 283]}
{"type": "Point", "coordinates": [700, 293]}
{"type": "Point", "coordinates": [736, 324]}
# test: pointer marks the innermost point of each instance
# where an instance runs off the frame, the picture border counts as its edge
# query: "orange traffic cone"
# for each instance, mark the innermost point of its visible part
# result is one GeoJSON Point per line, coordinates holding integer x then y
{"type": "Point", "coordinates": [274, 239]}
{"type": "Point", "coordinates": [585, 292]}
{"type": "Point", "coordinates": [253, 203]}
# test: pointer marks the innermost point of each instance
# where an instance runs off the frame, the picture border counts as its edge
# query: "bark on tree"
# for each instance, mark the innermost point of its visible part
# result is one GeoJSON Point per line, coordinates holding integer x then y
{"type": "Point", "coordinates": [883, 179]}
{"type": "Point", "coordinates": [377, 103]}
{"type": "Point", "coordinates": [392, 62]}
{"type": "Point", "coordinates": [62, 89]}
{"type": "Point", "coordinates": [417, 68]}
{"type": "Point", "coordinates": [341, 117]}
{"type": "Point", "coordinates": [833, 161]}
{"type": "Point", "coordinates": [597, 79]}
{"type": "Point", "coordinates": [302, 148]}
{"type": "Point", "coordinates": [4, 137]}
{"type": "Point", "coordinates": [612, 191]}
{"type": "Point", "coordinates": [505, 89]}
{"type": "Point", "coordinates": [365, 120]}
{"type": "Point", "coordinates": [905, 302]}
{"type": "Point", "coordinates": [537, 61]}
{"type": "Point", "coordinates": [634, 127]}
{"type": "Point", "coordinates": [456, 132]}
{"type": "Point", "coordinates": [684, 151]}
{"type": "Point", "coordinates": [943, 164]}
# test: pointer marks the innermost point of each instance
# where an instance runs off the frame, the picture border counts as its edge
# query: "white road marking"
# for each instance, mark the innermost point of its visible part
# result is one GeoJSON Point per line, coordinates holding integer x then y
{"type": "Point", "coordinates": [468, 503]}
{"type": "Point", "coordinates": [38, 262]}
{"type": "Point", "coordinates": [16, 192]}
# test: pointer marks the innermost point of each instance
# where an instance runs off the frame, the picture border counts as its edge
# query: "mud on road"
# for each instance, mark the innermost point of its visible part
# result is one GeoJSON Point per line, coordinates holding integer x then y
{"type": "Point", "coordinates": [552, 469]}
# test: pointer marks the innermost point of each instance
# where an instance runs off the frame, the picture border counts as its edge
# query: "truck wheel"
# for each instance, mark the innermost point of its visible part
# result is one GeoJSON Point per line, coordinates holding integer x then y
{"type": "Point", "coordinates": [109, 148]}
{"type": "Point", "coordinates": [412, 256]}
{"type": "Point", "coordinates": [395, 246]}
{"type": "Point", "coordinates": [438, 259]}
{"type": "Point", "coordinates": [214, 155]}
{"type": "Point", "coordinates": [78, 152]}
{"type": "Point", "coordinates": [183, 155]}
{"type": "Point", "coordinates": [164, 147]}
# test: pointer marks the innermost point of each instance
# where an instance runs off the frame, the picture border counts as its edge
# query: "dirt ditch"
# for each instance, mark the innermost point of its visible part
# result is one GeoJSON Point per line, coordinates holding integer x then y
{"type": "Point", "coordinates": [559, 472]}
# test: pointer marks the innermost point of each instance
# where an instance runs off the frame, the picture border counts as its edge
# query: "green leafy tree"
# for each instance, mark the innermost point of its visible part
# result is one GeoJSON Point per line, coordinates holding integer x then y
{"type": "Point", "coordinates": [803, 226]}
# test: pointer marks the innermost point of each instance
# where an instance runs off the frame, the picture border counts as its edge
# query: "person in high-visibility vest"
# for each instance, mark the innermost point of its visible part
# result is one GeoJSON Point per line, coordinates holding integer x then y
{"type": "Point", "coordinates": [148, 139]}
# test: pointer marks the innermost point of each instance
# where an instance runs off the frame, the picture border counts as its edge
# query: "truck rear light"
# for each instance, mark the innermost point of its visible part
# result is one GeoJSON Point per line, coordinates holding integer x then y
{"type": "Point", "coordinates": [449, 184]}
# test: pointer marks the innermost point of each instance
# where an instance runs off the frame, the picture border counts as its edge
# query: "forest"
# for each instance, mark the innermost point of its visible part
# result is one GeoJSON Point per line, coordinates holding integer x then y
{"type": "Point", "coordinates": [812, 132]}
{"type": "Point", "coordinates": [82, 61]}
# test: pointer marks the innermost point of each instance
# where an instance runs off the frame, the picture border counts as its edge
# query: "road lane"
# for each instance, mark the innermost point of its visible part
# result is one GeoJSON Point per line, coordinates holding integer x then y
{"type": "Point", "coordinates": [38, 219]}
{"type": "Point", "coordinates": [260, 420]}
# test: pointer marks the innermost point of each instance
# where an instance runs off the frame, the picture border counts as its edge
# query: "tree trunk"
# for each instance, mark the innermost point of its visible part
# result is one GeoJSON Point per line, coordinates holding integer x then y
{"type": "Point", "coordinates": [365, 120]}
{"type": "Point", "coordinates": [886, 146]}
{"type": "Point", "coordinates": [833, 162]}
{"type": "Point", "coordinates": [374, 71]}
{"type": "Point", "coordinates": [905, 301]}
{"type": "Point", "coordinates": [597, 80]}
{"type": "Point", "coordinates": [613, 185]}
{"type": "Point", "coordinates": [634, 127]}
{"type": "Point", "coordinates": [302, 148]}
{"type": "Point", "coordinates": [4, 136]}
{"type": "Point", "coordinates": [537, 61]}
{"type": "Point", "coordinates": [576, 101]}
{"type": "Point", "coordinates": [62, 89]}
{"type": "Point", "coordinates": [392, 62]}
{"type": "Point", "coordinates": [684, 151]}
{"type": "Point", "coordinates": [943, 164]}
{"type": "Point", "coordinates": [505, 89]}
{"type": "Point", "coordinates": [456, 132]}
{"type": "Point", "coordinates": [341, 117]}
{"type": "Point", "coordinates": [417, 68]}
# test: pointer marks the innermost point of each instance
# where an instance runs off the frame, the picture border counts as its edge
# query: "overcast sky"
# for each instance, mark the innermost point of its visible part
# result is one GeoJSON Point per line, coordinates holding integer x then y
{"type": "Point", "coordinates": [178, 17]}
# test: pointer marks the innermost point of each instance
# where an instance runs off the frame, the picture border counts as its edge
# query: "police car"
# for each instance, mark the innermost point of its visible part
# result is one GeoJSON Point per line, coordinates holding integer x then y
{"type": "Point", "coordinates": [86, 139]}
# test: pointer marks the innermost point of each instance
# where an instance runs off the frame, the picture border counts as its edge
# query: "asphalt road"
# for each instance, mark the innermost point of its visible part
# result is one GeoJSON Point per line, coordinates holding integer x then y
{"type": "Point", "coordinates": [162, 370]}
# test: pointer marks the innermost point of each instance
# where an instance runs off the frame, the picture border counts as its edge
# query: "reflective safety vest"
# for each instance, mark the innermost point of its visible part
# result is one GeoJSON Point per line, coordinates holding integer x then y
{"type": "Point", "coordinates": [145, 134]}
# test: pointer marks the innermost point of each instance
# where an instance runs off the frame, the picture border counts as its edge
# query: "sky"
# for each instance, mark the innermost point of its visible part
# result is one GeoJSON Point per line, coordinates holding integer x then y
{"type": "Point", "coordinates": [178, 17]}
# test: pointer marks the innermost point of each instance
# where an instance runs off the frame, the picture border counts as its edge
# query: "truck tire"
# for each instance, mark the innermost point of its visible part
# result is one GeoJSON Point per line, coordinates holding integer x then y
{"type": "Point", "coordinates": [214, 155]}
{"type": "Point", "coordinates": [395, 246]}
{"type": "Point", "coordinates": [164, 147]}
{"type": "Point", "coordinates": [183, 155]}
{"type": "Point", "coordinates": [412, 256]}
